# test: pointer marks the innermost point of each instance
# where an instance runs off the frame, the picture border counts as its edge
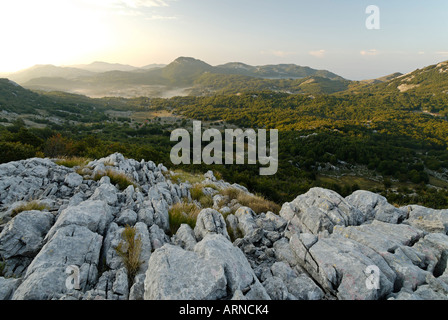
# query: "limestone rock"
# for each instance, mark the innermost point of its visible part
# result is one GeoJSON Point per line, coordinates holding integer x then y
{"type": "Point", "coordinates": [176, 274]}
{"type": "Point", "coordinates": [210, 221]}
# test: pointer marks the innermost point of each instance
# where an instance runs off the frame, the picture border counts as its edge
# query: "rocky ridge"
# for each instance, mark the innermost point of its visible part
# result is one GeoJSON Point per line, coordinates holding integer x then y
{"type": "Point", "coordinates": [319, 246]}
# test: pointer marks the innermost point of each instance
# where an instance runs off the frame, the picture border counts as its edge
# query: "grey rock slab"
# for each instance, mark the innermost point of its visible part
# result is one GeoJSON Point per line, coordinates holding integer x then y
{"type": "Point", "coordinates": [158, 237]}
{"type": "Point", "coordinates": [320, 210]}
{"type": "Point", "coordinates": [94, 214]}
{"type": "Point", "coordinates": [24, 234]}
{"type": "Point", "coordinates": [276, 289]}
{"type": "Point", "coordinates": [106, 192]}
{"type": "Point", "coordinates": [430, 220]}
{"type": "Point", "coordinates": [127, 217]}
{"type": "Point", "coordinates": [375, 206]}
{"type": "Point", "coordinates": [177, 274]}
{"type": "Point", "coordinates": [340, 266]}
{"type": "Point", "coordinates": [73, 180]}
{"type": "Point", "coordinates": [210, 221]}
{"type": "Point", "coordinates": [7, 287]}
{"type": "Point", "coordinates": [246, 220]}
{"type": "Point", "coordinates": [185, 237]}
{"type": "Point", "coordinates": [217, 248]}
{"type": "Point", "coordinates": [46, 276]}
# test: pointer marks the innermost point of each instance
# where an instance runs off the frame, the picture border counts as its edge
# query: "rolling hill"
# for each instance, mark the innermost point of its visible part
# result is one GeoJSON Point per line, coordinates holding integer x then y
{"type": "Point", "coordinates": [102, 79]}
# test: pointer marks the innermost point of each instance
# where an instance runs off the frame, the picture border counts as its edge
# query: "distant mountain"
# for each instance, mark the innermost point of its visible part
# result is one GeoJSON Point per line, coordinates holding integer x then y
{"type": "Point", "coordinates": [184, 70]}
{"type": "Point", "coordinates": [281, 71]}
{"type": "Point", "coordinates": [99, 66]}
{"type": "Point", "coordinates": [39, 71]}
{"type": "Point", "coordinates": [430, 80]}
{"type": "Point", "coordinates": [101, 78]}
{"type": "Point", "coordinates": [153, 66]}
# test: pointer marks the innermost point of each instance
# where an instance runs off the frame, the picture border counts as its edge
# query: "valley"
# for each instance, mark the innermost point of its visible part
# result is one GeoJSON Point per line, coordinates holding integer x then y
{"type": "Point", "coordinates": [334, 133]}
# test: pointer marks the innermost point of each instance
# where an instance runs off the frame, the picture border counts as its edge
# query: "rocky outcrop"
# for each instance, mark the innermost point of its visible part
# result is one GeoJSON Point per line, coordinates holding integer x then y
{"type": "Point", "coordinates": [320, 246]}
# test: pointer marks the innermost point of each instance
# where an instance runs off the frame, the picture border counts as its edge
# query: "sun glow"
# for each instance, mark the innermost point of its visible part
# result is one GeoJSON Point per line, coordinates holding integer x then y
{"type": "Point", "coordinates": [50, 32]}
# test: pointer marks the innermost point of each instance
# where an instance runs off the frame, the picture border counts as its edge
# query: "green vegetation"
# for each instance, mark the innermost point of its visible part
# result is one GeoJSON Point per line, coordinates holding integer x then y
{"type": "Point", "coordinates": [129, 250]}
{"type": "Point", "coordinates": [377, 136]}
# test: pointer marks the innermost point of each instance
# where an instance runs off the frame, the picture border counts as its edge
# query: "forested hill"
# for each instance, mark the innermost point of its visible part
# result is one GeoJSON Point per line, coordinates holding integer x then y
{"type": "Point", "coordinates": [375, 136]}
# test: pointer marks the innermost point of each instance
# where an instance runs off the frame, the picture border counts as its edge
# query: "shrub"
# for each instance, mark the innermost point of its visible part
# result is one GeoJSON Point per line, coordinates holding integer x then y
{"type": "Point", "coordinates": [58, 145]}
{"type": "Point", "coordinates": [32, 205]}
{"type": "Point", "coordinates": [183, 213]}
{"type": "Point", "coordinates": [129, 250]}
{"type": "Point", "coordinates": [116, 178]}
{"type": "Point", "coordinates": [12, 151]}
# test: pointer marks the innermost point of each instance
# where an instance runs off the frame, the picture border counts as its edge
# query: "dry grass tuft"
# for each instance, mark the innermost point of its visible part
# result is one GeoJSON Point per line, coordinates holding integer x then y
{"type": "Point", "coordinates": [183, 213]}
{"type": "Point", "coordinates": [129, 250]}
{"type": "Point", "coordinates": [71, 162]}
{"type": "Point", "coordinates": [117, 178]}
{"type": "Point", "coordinates": [256, 202]}
{"type": "Point", "coordinates": [32, 205]}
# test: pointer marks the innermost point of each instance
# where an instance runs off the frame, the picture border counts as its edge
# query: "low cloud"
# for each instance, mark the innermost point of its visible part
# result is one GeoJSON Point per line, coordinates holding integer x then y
{"type": "Point", "coordinates": [161, 18]}
{"type": "Point", "coordinates": [442, 53]}
{"type": "Point", "coordinates": [318, 53]}
{"type": "Point", "coordinates": [134, 4]}
{"type": "Point", "coordinates": [371, 52]}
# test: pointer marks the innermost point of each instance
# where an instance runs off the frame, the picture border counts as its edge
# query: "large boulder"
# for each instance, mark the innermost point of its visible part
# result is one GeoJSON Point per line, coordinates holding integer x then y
{"type": "Point", "coordinates": [394, 243]}
{"type": "Point", "coordinates": [319, 210]}
{"type": "Point", "coordinates": [217, 248]}
{"type": "Point", "coordinates": [92, 214]}
{"type": "Point", "coordinates": [246, 220]}
{"type": "Point", "coordinates": [210, 221]}
{"type": "Point", "coordinates": [177, 274]}
{"type": "Point", "coordinates": [46, 277]}
{"type": "Point", "coordinates": [375, 206]}
{"type": "Point", "coordinates": [22, 238]}
{"type": "Point", "coordinates": [430, 220]}
{"type": "Point", "coordinates": [341, 267]}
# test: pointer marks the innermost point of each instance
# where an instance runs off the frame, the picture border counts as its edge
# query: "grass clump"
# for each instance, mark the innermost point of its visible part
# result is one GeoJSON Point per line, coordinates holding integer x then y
{"type": "Point", "coordinates": [32, 205]}
{"type": "Point", "coordinates": [71, 162]}
{"type": "Point", "coordinates": [116, 178]}
{"type": "Point", "coordinates": [256, 202]}
{"type": "Point", "coordinates": [183, 177]}
{"type": "Point", "coordinates": [182, 213]}
{"type": "Point", "coordinates": [129, 250]}
{"type": "Point", "coordinates": [198, 194]}
{"type": "Point", "coordinates": [2, 268]}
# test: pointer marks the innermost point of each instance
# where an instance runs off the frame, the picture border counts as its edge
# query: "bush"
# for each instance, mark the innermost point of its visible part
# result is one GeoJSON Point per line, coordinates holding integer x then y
{"type": "Point", "coordinates": [57, 145]}
{"type": "Point", "coordinates": [129, 250]}
{"type": "Point", "coordinates": [13, 151]}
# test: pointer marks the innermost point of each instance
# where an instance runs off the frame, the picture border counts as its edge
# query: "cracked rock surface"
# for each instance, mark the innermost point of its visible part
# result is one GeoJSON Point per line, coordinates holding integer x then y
{"type": "Point", "coordinates": [319, 246]}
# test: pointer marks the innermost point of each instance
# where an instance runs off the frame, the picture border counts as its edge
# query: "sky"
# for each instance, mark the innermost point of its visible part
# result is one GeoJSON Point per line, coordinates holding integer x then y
{"type": "Point", "coordinates": [322, 34]}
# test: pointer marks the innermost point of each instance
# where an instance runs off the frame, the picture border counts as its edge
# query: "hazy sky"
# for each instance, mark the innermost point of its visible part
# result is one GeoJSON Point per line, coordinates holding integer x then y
{"type": "Point", "coordinates": [323, 34]}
